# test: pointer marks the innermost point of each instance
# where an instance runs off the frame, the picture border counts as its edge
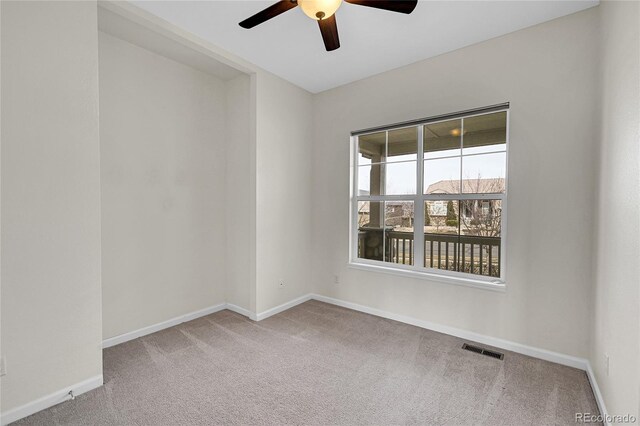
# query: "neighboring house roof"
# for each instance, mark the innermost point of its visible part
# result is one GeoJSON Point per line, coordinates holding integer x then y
{"type": "Point", "coordinates": [480, 186]}
{"type": "Point", "coordinates": [469, 186]}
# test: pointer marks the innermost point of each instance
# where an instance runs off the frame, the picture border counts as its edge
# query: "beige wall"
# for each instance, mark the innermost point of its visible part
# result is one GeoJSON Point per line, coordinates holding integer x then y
{"type": "Point", "coordinates": [549, 74]}
{"type": "Point", "coordinates": [240, 197]}
{"type": "Point", "coordinates": [263, 168]}
{"type": "Point", "coordinates": [616, 318]}
{"type": "Point", "coordinates": [283, 179]}
{"type": "Point", "coordinates": [163, 148]}
{"type": "Point", "coordinates": [51, 310]}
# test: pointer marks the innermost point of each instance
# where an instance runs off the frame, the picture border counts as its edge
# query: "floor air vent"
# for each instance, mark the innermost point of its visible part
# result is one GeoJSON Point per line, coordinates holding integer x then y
{"type": "Point", "coordinates": [487, 352]}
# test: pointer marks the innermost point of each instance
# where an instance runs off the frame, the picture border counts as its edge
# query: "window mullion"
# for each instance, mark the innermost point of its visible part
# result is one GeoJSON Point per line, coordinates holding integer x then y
{"type": "Point", "coordinates": [418, 205]}
{"type": "Point", "coordinates": [353, 240]}
{"type": "Point", "coordinates": [383, 190]}
{"type": "Point", "coordinates": [467, 196]}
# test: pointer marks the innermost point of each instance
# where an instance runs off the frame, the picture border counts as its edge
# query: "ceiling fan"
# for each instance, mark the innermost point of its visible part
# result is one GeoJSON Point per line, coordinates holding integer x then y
{"type": "Point", "coordinates": [324, 11]}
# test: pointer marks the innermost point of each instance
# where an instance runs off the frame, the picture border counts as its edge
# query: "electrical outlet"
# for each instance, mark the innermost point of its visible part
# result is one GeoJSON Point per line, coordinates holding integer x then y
{"type": "Point", "coordinates": [3, 366]}
{"type": "Point", "coordinates": [336, 279]}
{"type": "Point", "coordinates": [281, 283]}
{"type": "Point", "coordinates": [606, 364]}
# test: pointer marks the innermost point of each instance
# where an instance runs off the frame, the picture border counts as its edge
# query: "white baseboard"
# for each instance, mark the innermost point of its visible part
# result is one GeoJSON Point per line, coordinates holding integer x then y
{"type": "Point", "coordinates": [82, 387]}
{"type": "Point", "coordinates": [242, 311]}
{"type": "Point", "coordinates": [544, 354]}
{"type": "Point", "coordinates": [283, 307]}
{"type": "Point", "coordinates": [112, 341]}
{"type": "Point", "coordinates": [50, 400]}
{"type": "Point", "coordinates": [596, 392]}
{"type": "Point", "coordinates": [558, 358]}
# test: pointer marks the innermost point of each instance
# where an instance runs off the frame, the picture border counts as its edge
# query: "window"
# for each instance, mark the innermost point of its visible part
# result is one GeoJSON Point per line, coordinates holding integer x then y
{"type": "Point", "coordinates": [429, 197]}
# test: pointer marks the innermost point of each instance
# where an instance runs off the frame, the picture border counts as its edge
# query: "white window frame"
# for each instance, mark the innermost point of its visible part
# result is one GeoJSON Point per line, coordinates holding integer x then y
{"type": "Point", "coordinates": [417, 270]}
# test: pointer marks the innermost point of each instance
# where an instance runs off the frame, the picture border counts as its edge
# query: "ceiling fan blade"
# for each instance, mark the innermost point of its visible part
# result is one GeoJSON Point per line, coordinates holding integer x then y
{"type": "Point", "coordinates": [270, 12]}
{"type": "Point", "coordinates": [329, 31]}
{"type": "Point", "coordinates": [401, 6]}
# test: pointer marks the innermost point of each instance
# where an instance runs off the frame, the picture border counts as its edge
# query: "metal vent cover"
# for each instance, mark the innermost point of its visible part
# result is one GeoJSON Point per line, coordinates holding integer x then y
{"type": "Point", "coordinates": [481, 351]}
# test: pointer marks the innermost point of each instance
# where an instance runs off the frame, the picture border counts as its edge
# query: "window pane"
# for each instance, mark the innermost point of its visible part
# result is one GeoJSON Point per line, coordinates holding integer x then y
{"type": "Point", "coordinates": [485, 133]}
{"type": "Point", "coordinates": [461, 156]}
{"type": "Point", "coordinates": [370, 233]}
{"type": "Point", "coordinates": [398, 222]}
{"type": "Point", "coordinates": [464, 236]}
{"type": "Point", "coordinates": [403, 145]}
{"type": "Point", "coordinates": [442, 139]}
{"type": "Point", "coordinates": [480, 237]}
{"type": "Point", "coordinates": [400, 178]}
{"type": "Point", "coordinates": [370, 179]}
{"type": "Point", "coordinates": [442, 176]}
{"type": "Point", "coordinates": [371, 148]}
{"type": "Point", "coordinates": [484, 173]}
{"type": "Point", "coordinates": [441, 230]}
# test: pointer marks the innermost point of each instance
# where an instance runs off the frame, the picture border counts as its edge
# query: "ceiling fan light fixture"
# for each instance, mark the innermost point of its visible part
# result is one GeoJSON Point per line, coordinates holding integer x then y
{"type": "Point", "coordinates": [323, 12]}
{"type": "Point", "coordinates": [319, 9]}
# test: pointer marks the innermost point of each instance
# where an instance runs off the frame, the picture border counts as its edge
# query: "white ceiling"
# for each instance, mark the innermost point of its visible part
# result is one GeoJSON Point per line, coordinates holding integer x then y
{"type": "Point", "coordinates": [372, 40]}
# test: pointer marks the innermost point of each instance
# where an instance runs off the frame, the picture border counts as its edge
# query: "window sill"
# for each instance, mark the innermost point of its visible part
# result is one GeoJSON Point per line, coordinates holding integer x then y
{"type": "Point", "coordinates": [498, 286]}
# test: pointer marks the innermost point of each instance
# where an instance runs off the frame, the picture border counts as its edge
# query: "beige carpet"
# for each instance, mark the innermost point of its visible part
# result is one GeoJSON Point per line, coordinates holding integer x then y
{"type": "Point", "coordinates": [323, 365]}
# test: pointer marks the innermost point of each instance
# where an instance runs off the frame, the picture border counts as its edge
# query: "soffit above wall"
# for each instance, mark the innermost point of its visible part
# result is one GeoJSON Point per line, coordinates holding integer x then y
{"type": "Point", "coordinates": [125, 29]}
